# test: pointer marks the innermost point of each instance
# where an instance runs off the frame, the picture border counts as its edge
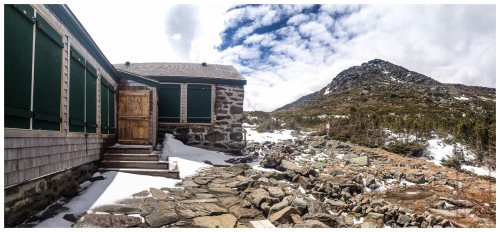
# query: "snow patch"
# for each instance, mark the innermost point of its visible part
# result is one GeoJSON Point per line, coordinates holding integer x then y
{"type": "Point", "coordinates": [327, 91]}
{"type": "Point", "coordinates": [462, 98]}
{"type": "Point", "coordinates": [115, 186]}
{"type": "Point", "coordinates": [481, 171]}
{"type": "Point", "coordinates": [276, 136]}
{"type": "Point", "coordinates": [190, 159]}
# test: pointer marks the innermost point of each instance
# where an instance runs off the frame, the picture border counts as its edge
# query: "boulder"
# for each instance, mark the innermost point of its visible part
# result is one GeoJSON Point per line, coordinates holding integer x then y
{"type": "Point", "coordinates": [221, 221]}
{"type": "Point", "coordinates": [361, 161]}
{"type": "Point", "coordinates": [190, 210]}
{"type": "Point", "coordinates": [300, 204]}
{"type": "Point", "coordinates": [241, 212]}
{"type": "Point", "coordinates": [283, 216]}
{"type": "Point", "coordinates": [327, 219]}
{"type": "Point", "coordinates": [276, 192]}
{"type": "Point", "coordinates": [337, 204]}
{"type": "Point", "coordinates": [107, 221]}
{"type": "Point", "coordinates": [271, 160]}
{"type": "Point", "coordinates": [117, 209]}
{"type": "Point", "coordinates": [403, 219]}
{"type": "Point", "coordinates": [161, 217]}
{"type": "Point", "coordinates": [311, 224]}
{"type": "Point", "coordinates": [288, 165]}
{"type": "Point", "coordinates": [459, 203]}
{"type": "Point", "coordinates": [279, 206]}
{"type": "Point", "coordinates": [258, 196]}
{"type": "Point", "coordinates": [444, 213]}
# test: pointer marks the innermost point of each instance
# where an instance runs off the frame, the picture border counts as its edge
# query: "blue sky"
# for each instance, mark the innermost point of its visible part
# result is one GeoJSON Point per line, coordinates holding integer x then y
{"type": "Point", "coordinates": [287, 51]}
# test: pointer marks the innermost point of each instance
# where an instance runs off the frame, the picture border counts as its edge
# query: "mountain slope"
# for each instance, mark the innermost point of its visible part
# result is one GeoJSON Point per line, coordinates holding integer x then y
{"type": "Point", "coordinates": [366, 103]}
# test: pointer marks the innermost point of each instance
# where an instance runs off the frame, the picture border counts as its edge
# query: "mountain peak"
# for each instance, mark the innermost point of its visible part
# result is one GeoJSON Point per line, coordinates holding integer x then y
{"type": "Point", "coordinates": [377, 71]}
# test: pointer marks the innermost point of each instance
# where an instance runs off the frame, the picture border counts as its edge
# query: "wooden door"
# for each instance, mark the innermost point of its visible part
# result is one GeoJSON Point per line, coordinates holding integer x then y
{"type": "Point", "coordinates": [133, 116]}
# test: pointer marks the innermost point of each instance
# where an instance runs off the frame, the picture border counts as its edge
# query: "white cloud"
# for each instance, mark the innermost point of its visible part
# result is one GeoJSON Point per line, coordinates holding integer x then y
{"type": "Point", "coordinates": [450, 43]}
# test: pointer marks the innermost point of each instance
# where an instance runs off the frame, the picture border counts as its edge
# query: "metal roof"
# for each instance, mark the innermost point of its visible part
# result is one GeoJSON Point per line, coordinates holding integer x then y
{"type": "Point", "coordinates": [185, 72]}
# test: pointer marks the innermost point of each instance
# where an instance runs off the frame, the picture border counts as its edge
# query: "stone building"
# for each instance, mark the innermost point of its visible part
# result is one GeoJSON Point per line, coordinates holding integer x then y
{"type": "Point", "coordinates": [65, 103]}
{"type": "Point", "coordinates": [200, 104]}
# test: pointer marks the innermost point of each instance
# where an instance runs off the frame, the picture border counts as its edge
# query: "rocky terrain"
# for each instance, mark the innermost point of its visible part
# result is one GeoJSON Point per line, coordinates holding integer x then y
{"type": "Point", "coordinates": [311, 182]}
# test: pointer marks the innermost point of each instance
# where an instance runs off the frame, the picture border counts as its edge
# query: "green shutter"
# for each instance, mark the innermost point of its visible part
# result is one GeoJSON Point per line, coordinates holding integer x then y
{"type": "Point", "coordinates": [199, 103]}
{"type": "Point", "coordinates": [111, 110]}
{"type": "Point", "coordinates": [91, 79]}
{"type": "Point", "coordinates": [104, 107]}
{"type": "Point", "coordinates": [76, 92]}
{"type": "Point", "coordinates": [169, 101]}
{"type": "Point", "coordinates": [47, 86]}
{"type": "Point", "coordinates": [18, 45]}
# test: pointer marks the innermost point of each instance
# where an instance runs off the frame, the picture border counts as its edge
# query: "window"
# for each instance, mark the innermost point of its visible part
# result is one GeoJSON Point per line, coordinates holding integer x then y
{"type": "Point", "coordinates": [107, 108]}
{"type": "Point", "coordinates": [33, 59]}
{"type": "Point", "coordinates": [77, 92]}
{"type": "Point", "coordinates": [199, 103]}
{"type": "Point", "coordinates": [18, 44]}
{"type": "Point", "coordinates": [91, 98]}
{"type": "Point", "coordinates": [47, 86]}
{"type": "Point", "coordinates": [195, 99]}
{"type": "Point", "coordinates": [82, 94]}
{"type": "Point", "coordinates": [169, 100]}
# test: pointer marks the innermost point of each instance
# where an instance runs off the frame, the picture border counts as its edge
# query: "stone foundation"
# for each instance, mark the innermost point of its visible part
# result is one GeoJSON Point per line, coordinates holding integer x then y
{"type": "Point", "coordinates": [28, 198]}
{"type": "Point", "coordinates": [224, 134]}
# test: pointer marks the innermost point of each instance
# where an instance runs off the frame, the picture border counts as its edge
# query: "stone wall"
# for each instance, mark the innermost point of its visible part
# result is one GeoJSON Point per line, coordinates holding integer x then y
{"type": "Point", "coordinates": [26, 199]}
{"type": "Point", "coordinates": [224, 134]}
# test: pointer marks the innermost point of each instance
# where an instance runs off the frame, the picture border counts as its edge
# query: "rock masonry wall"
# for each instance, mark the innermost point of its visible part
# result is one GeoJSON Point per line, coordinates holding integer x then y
{"type": "Point", "coordinates": [224, 134]}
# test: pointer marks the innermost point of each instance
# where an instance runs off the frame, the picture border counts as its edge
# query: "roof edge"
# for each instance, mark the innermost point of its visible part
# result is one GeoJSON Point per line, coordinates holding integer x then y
{"type": "Point", "coordinates": [66, 16]}
{"type": "Point", "coordinates": [137, 78]}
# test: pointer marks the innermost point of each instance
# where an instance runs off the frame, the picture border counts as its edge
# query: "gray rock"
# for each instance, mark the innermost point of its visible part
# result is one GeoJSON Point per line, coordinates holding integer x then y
{"type": "Point", "coordinates": [70, 217]}
{"type": "Point", "coordinates": [311, 224]}
{"type": "Point", "coordinates": [362, 161]}
{"type": "Point", "coordinates": [278, 206]}
{"type": "Point", "coordinates": [161, 217]}
{"type": "Point", "coordinates": [337, 204]}
{"type": "Point", "coordinates": [230, 201]}
{"type": "Point", "coordinates": [327, 219]}
{"type": "Point", "coordinates": [300, 204]}
{"type": "Point", "coordinates": [314, 206]}
{"type": "Point", "coordinates": [276, 192]}
{"type": "Point", "coordinates": [370, 179]}
{"type": "Point", "coordinates": [107, 221]}
{"type": "Point", "coordinates": [459, 203]}
{"type": "Point", "coordinates": [258, 196]}
{"type": "Point", "coordinates": [403, 219]}
{"type": "Point", "coordinates": [221, 221]}
{"type": "Point", "coordinates": [444, 213]}
{"type": "Point", "coordinates": [241, 212]}
{"type": "Point", "coordinates": [283, 216]}
{"type": "Point", "coordinates": [198, 210]}
{"type": "Point", "coordinates": [223, 191]}
{"type": "Point", "coordinates": [117, 209]}
{"type": "Point", "coordinates": [288, 165]}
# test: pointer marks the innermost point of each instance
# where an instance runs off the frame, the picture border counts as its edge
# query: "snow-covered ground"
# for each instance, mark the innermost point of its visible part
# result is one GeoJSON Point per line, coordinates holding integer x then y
{"type": "Point", "coordinates": [253, 135]}
{"type": "Point", "coordinates": [114, 187]}
{"type": "Point", "coordinates": [190, 159]}
{"type": "Point", "coordinates": [437, 150]}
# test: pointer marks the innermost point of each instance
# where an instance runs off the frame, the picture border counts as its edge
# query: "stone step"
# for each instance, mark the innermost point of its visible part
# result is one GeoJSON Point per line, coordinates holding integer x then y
{"type": "Point", "coordinates": [135, 164]}
{"type": "Point", "coordinates": [130, 157]}
{"type": "Point", "coordinates": [150, 172]}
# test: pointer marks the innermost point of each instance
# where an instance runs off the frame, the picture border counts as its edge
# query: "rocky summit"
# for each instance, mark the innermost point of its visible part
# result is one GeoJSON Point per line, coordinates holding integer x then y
{"type": "Point", "coordinates": [311, 182]}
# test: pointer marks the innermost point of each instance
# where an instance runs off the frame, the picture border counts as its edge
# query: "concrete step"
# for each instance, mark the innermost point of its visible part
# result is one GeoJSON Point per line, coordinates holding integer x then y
{"type": "Point", "coordinates": [135, 164]}
{"type": "Point", "coordinates": [130, 157]}
{"type": "Point", "coordinates": [151, 172]}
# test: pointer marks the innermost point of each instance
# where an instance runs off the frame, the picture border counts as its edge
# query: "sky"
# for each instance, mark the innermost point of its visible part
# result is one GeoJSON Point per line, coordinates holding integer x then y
{"type": "Point", "coordinates": [287, 51]}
